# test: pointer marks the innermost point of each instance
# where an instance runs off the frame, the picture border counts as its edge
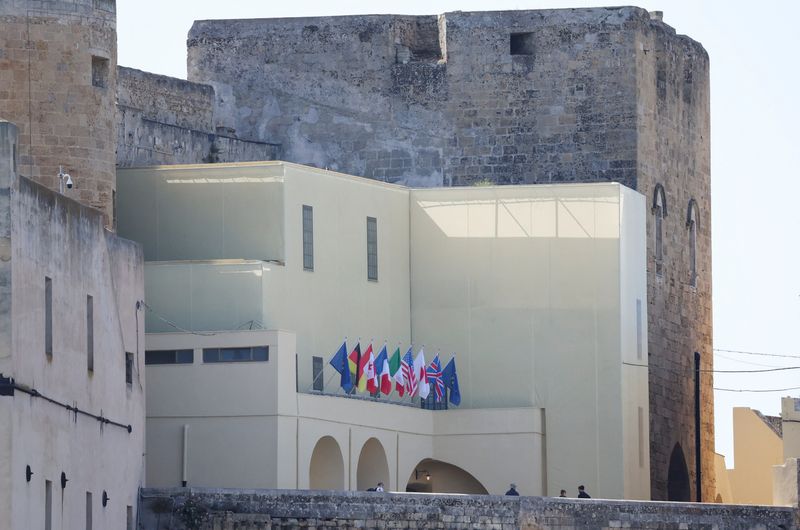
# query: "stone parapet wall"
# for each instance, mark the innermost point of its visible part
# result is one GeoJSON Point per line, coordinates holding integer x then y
{"type": "Point", "coordinates": [163, 120]}
{"type": "Point", "coordinates": [207, 509]}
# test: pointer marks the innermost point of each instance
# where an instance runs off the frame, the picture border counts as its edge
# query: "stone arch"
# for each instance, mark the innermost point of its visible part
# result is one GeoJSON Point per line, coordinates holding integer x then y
{"type": "Point", "coordinates": [435, 476]}
{"type": "Point", "coordinates": [678, 485]}
{"type": "Point", "coordinates": [373, 467]}
{"type": "Point", "coordinates": [659, 213]}
{"type": "Point", "coordinates": [326, 470]}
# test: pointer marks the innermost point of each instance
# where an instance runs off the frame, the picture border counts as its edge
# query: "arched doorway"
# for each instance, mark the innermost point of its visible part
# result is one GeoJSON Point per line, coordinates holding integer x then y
{"type": "Point", "coordinates": [372, 466]}
{"type": "Point", "coordinates": [435, 476]}
{"type": "Point", "coordinates": [326, 471]}
{"type": "Point", "coordinates": [678, 488]}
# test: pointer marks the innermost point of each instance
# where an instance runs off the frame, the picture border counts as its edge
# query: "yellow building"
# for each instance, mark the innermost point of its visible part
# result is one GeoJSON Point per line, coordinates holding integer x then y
{"type": "Point", "coordinates": [766, 449]}
{"type": "Point", "coordinates": [540, 290]}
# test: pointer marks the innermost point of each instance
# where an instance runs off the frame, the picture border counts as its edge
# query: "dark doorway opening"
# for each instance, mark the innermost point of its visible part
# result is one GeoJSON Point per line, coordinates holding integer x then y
{"type": "Point", "coordinates": [678, 488]}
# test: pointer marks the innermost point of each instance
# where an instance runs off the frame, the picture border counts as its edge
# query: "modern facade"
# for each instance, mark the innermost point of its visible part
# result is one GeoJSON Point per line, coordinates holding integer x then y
{"type": "Point", "coordinates": [538, 290]}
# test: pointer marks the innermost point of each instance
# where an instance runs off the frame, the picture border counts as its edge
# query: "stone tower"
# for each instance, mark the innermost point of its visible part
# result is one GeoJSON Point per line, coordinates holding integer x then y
{"type": "Point", "coordinates": [58, 61]}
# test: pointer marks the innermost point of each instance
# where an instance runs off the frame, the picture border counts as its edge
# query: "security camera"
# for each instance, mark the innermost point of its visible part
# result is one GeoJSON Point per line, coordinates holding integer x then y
{"type": "Point", "coordinates": [69, 182]}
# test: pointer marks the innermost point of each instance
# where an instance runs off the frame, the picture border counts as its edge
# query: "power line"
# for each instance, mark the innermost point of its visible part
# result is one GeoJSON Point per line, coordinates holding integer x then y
{"type": "Point", "coordinates": [756, 390]}
{"type": "Point", "coordinates": [758, 353]}
{"type": "Point", "coordinates": [734, 359]}
{"type": "Point", "coordinates": [752, 371]}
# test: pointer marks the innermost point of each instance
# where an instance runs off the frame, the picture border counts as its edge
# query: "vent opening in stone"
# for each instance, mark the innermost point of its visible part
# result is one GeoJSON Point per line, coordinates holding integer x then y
{"type": "Point", "coordinates": [522, 44]}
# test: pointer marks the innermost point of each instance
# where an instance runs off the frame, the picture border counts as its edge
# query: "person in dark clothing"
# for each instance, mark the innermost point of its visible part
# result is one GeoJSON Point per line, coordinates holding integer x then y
{"type": "Point", "coordinates": [563, 493]}
{"type": "Point", "coordinates": [513, 490]}
{"type": "Point", "coordinates": [582, 493]}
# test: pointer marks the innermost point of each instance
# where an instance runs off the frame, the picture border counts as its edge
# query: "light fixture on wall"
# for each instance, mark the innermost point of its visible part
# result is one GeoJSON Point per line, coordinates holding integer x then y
{"type": "Point", "coordinates": [418, 472]}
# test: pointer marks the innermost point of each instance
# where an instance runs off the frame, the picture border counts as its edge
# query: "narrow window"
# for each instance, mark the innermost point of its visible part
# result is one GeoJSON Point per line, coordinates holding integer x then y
{"type": "Point", "coordinates": [372, 249]}
{"type": "Point", "coordinates": [639, 337]}
{"type": "Point", "coordinates": [659, 213]}
{"type": "Point", "coordinates": [114, 210]}
{"type": "Point", "coordinates": [308, 238]}
{"type": "Point", "coordinates": [641, 436]}
{"type": "Point", "coordinates": [522, 44]}
{"type": "Point", "coordinates": [48, 505]}
{"type": "Point", "coordinates": [99, 72]}
{"type": "Point", "coordinates": [129, 518]}
{"type": "Point", "coordinates": [128, 367]}
{"type": "Point", "coordinates": [235, 355]}
{"type": "Point", "coordinates": [90, 333]}
{"type": "Point", "coordinates": [691, 226]}
{"type": "Point", "coordinates": [48, 318]}
{"type": "Point", "coordinates": [316, 368]}
{"type": "Point", "coordinates": [88, 510]}
{"type": "Point", "coordinates": [168, 357]}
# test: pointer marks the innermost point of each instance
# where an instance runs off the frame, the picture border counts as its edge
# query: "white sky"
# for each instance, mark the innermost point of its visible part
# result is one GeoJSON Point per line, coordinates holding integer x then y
{"type": "Point", "coordinates": [753, 48]}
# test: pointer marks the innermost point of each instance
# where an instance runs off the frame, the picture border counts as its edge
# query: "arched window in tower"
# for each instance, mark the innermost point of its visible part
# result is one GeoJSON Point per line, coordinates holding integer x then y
{"type": "Point", "coordinates": [659, 213]}
{"type": "Point", "coordinates": [692, 225]}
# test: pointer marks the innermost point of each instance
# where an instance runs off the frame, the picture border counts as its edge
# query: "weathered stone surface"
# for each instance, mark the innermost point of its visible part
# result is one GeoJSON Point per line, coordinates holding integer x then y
{"type": "Point", "coordinates": [163, 120]}
{"type": "Point", "coordinates": [185, 508]}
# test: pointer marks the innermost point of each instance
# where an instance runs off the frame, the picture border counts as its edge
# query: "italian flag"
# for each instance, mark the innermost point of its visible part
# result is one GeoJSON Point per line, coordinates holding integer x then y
{"type": "Point", "coordinates": [397, 373]}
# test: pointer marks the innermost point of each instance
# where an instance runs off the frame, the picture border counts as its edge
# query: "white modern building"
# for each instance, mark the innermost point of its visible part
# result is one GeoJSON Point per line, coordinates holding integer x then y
{"type": "Point", "coordinates": [538, 290]}
{"type": "Point", "coordinates": [72, 413]}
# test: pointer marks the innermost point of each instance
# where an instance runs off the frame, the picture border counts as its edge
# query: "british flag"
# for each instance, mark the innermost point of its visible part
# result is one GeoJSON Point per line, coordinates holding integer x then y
{"type": "Point", "coordinates": [406, 365]}
{"type": "Point", "coordinates": [434, 372]}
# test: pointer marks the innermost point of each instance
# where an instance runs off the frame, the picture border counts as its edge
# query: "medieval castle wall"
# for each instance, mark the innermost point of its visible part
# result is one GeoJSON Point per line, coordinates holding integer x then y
{"type": "Point", "coordinates": [163, 120]}
{"type": "Point", "coordinates": [507, 97]}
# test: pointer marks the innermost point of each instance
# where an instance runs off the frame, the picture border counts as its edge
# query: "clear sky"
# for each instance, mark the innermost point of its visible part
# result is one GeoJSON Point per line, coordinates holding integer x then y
{"type": "Point", "coordinates": [754, 48]}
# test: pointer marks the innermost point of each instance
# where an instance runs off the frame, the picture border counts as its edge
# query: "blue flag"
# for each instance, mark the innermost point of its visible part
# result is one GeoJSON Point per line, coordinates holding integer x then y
{"type": "Point", "coordinates": [339, 363]}
{"type": "Point", "coordinates": [450, 378]}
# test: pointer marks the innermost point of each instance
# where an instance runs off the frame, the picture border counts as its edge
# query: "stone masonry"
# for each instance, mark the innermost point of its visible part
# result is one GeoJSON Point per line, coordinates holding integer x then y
{"type": "Point", "coordinates": [601, 94]}
{"type": "Point", "coordinates": [206, 509]}
{"type": "Point", "coordinates": [163, 120]}
{"type": "Point", "coordinates": [57, 83]}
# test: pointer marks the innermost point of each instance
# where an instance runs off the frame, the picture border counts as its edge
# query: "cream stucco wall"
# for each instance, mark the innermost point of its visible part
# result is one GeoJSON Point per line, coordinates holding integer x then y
{"type": "Point", "coordinates": [247, 427]}
{"type": "Point", "coordinates": [535, 288]}
{"type": "Point", "coordinates": [756, 449]}
{"type": "Point", "coordinates": [52, 236]}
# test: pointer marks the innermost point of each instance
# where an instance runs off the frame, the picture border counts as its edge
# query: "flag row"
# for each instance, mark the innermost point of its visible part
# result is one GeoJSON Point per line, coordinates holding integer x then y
{"type": "Point", "coordinates": [406, 374]}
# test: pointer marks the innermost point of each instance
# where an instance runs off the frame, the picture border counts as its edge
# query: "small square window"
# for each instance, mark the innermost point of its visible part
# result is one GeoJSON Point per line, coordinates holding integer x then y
{"type": "Point", "coordinates": [522, 44]}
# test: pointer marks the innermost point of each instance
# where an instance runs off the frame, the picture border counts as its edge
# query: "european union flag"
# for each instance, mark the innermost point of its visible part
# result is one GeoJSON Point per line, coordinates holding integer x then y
{"type": "Point", "coordinates": [339, 363]}
{"type": "Point", "coordinates": [450, 378]}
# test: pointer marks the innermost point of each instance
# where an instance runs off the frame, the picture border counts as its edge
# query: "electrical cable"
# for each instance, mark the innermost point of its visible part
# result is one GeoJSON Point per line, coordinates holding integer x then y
{"type": "Point", "coordinates": [756, 390]}
{"type": "Point", "coordinates": [758, 353]}
{"type": "Point", "coordinates": [174, 325]}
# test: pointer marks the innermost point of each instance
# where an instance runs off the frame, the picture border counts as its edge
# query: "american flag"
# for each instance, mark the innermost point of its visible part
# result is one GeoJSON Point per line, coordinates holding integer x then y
{"type": "Point", "coordinates": [434, 372]}
{"type": "Point", "coordinates": [410, 377]}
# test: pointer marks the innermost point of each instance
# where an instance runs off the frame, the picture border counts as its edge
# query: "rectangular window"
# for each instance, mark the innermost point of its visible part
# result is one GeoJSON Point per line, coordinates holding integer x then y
{"type": "Point", "coordinates": [99, 72]}
{"type": "Point", "coordinates": [308, 238]}
{"type": "Point", "coordinates": [236, 355]}
{"type": "Point", "coordinates": [316, 369]}
{"type": "Point", "coordinates": [641, 437]}
{"type": "Point", "coordinates": [129, 518]}
{"type": "Point", "coordinates": [48, 505]}
{"type": "Point", "coordinates": [88, 510]}
{"type": "Point", "coordinates": [168, 357]}
{"type": "Point", "coordinates": [639, 337]}
{"type": "Point", "coordinates": [90, 333]}
{"type": "Point", "coordinates": [128, 367]}
{"type": "Point", "coordinates": [48, 317]}
{"type": "Point", "coordinates": [521, 44]}
{"type": "Point", "coordinates": [372, 249]}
